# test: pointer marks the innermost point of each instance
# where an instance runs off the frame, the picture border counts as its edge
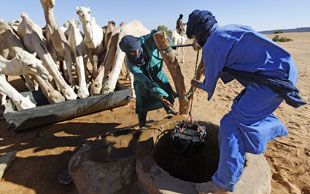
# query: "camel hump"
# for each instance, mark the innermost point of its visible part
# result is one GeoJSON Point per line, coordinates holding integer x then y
{"type": "Point", "coordinates": [135, 28]}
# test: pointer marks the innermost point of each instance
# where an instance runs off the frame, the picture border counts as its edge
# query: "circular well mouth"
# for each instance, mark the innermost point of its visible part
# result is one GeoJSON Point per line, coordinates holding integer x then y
{"type": "Point", "coordinates": [199, 167]}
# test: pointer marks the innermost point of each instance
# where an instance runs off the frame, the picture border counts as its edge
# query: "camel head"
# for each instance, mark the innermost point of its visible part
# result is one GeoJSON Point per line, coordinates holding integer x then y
{"type": "Point", "coordinates": [66, 25]}
{"type": "Point", "coordinates": [24, 16]}
{"type": "Point", "coordinates": [15, 23]}
{"type": "Point", "coordinates": [83, 13]}
{"type": "Point", "coordinates": [69, 93]}
{"type": "Point", "coordinates": [122, 24]}
{"type": "Point", "coordinates": [24, 103]}
{"type": "Point", "coordinates": [48, 4]}
{"type": "Point", "coordinates": [73, 22]}
{"type": "Point", "coordinates": [33, 65]}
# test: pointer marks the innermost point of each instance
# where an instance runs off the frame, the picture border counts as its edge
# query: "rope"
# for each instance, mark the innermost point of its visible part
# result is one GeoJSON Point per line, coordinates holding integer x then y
{"type": "Point", "coordinates": [190, 118]}
{"type": "Point", "coordinates": [196, 66]}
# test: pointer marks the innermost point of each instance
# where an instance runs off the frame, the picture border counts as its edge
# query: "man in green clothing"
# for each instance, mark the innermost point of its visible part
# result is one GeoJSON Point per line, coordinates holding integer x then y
{"type": "Point", "coordinates": [151, 84]}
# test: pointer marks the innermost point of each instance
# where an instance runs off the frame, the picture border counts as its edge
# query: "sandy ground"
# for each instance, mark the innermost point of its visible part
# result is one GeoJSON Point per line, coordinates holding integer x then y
{"type": "Point", "coordinates": [44, 152]}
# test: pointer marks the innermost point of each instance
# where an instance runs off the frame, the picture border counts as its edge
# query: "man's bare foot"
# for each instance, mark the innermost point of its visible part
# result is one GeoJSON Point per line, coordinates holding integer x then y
{"type": "Point", "coordinates": [209, 188]}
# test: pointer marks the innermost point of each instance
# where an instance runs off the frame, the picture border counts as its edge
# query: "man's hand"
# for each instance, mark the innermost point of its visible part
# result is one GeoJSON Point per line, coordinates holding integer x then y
{"type": "Point", "coordinates": [196, 46]}
{"type": "Point", "coordinates": [202, 71]}
{"type": "Point", "coordinates": [195, 83]}
{"type": "Point", "coordinates": [168, 104]}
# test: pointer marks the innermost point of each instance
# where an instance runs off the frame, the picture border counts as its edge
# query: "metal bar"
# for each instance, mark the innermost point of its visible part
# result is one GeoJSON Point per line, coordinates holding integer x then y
{"type": "Point", "coordinates": [181, 45]}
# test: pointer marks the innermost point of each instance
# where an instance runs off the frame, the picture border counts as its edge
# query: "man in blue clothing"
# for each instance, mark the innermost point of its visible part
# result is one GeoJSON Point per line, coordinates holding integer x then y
{"type": "Point", "coordinates": [268, 74]}
{"type": "Point", "coordinates": [151, 84]}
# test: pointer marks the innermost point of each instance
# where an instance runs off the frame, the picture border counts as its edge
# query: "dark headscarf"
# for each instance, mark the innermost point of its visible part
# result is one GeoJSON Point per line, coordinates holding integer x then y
{"type": "Point", "coordinates": [200, 24]}
{"type": "Point", "coordinates": [129, 44]}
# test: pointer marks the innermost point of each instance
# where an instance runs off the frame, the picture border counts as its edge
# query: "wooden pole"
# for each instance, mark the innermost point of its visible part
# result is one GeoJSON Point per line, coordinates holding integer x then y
{"type": "Point", "coordinates": [163, 45]}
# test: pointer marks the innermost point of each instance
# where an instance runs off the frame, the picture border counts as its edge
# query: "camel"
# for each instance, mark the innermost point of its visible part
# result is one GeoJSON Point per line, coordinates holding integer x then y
{"type": "Point", "coordinates": [179, 39]}
{"type": "Point", "coordinates": [34, 41]}
{"type": "Point", "coordinates": [58, 45]}
{"type": "Point", "coordinates": [10, 46]}
{"type": "Point", "coordinates": [23, 63]}
{"type": "Point", "coordinates": [108, 58]}
{"type": "Point", "coordinates": [94, 36]}
{"type": "Point", "coordinates": [79, 50]}
{"type": "Point", "coordinates": [115, 58]}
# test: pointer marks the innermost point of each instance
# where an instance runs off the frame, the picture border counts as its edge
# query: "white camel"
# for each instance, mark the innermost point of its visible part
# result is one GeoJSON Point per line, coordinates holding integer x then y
{"type": "Point", "coordinates": [34, 41]}
{"type": "Point", "coordinates": [110, 45]}
{"type": "Point", "coordinates": [179, 39]}
{"type": "Point", "coordinates": [79, 51]}
{"type": "Point", "coordinates": [94, 37]}
{"type": "Point", "coordinates": [57, 45]}
{"type": "Point", "coordinates": [115, 58]}
{"type": "Point", "coordinates": [10, 46]}
{"type": "Point", "coordinates": [23, 63]}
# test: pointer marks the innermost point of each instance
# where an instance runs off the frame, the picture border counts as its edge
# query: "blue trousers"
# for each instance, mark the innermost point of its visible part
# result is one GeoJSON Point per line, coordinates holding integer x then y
{"type": "Point", "coordinates": [246, 128]}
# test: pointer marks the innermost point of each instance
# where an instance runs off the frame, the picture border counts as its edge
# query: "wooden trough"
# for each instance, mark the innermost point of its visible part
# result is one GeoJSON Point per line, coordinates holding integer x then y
{"type": "Point", "coordinates": [46, 113]}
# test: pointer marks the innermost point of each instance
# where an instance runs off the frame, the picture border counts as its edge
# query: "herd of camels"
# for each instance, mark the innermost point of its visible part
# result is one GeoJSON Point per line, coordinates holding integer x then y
{"type": "Point", "coordinates": [37, 54]}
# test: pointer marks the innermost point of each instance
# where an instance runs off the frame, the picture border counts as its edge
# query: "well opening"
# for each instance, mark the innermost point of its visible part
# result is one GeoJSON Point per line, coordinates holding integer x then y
{"type": "Point", "coordinates": [199, 167]}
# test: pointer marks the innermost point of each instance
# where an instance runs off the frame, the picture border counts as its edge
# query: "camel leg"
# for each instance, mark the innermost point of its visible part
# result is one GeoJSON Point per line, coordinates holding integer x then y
{"type": "Point", "coordinates": [68, 62]}
{"type": "Point", "coordinates": [183, 49]}
{"type": "Point", "coordinates": [3, 103]}
{"type": "Point", "coordinates": [183, 53]}
{"type": "Point", "coordinates": [64, 70]}
{"type": "Point", "coordinates": [29, 82]}
{"type": "Point", "coordinates": [131, 78]}
{"type": "Point", "coordinates": [52, 95]}
{"type": "Point", "coordinates": [96, 86]}
{"type": "Point", "coordinates": [93, 62]}
{"type": "Point", "coordinates": [128, 73]}
{"type": "Point", "coordinates": [87, 72]}
{"type": "Point", "coordinates": [109, 85]}
{"type": "Point", "coordinates": [61, 84]}
{"type": "Point", "coordinates": [83, 90]}
{"type": "Point", "coordinates": [2, 98]}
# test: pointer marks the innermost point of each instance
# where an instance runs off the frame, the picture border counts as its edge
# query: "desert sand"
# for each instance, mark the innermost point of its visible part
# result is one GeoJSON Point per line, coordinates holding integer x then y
{"type": "Point", "coordinates": [44, 152]}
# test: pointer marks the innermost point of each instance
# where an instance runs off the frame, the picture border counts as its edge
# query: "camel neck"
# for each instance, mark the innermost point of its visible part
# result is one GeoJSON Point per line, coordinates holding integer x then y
{"type": "Point", "coordinates": [50, 18]}
{"type": "Point", "coordinates": [88, 31]}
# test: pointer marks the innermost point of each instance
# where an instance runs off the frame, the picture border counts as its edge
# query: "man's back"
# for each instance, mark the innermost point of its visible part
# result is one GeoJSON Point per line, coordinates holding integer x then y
{"type": "Point", "coordinates": [180, 26]}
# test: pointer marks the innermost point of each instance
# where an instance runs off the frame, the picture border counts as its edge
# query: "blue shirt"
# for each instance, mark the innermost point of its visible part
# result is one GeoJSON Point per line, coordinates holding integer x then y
{"type": "Point", "coordinates": [242, 48]}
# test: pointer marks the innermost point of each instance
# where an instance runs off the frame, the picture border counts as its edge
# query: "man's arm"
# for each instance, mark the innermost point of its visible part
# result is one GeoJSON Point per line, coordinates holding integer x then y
{"type": "Point", "coordinates": [150, 85]}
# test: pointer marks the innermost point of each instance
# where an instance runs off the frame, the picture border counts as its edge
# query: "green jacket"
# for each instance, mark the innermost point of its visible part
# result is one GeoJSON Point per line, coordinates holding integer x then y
{"type": "Point", "coordinates": [150, 81]}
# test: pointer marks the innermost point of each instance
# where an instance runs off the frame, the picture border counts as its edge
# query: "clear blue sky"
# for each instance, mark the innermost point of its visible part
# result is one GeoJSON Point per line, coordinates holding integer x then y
{"type": "Point", "coordinates": [259, 14]}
